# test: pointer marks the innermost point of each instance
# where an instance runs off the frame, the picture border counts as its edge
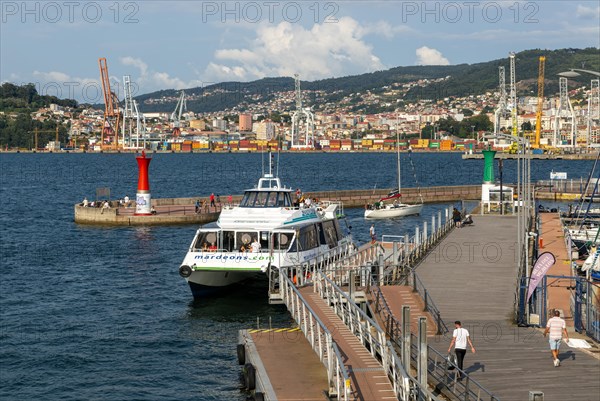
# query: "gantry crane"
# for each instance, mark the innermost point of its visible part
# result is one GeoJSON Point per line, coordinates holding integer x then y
{"type": "Point", "coordinates": [36, 133]}
{"type": "Point", "coordinates": [540, 103]}
{"type": "Point", "coordinates": [176, 114]}
{"type": "Point", "coordinates": [112, 113]}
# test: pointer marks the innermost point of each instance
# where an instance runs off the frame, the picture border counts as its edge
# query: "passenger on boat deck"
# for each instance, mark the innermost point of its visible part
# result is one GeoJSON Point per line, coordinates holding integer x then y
{"type": "Point", "coordinates": [212, 247]}
{"type": "Point", "coordinates": [307, 202]}
{"type": "Point", "coordinates": [242, 248]}
{"type": "Point", "coordinates": [255, 246]}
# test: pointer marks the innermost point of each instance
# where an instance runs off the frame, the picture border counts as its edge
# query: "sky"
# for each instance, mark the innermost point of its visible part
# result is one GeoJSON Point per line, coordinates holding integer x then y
{"type": "Point", "coordinates": [184, 44]}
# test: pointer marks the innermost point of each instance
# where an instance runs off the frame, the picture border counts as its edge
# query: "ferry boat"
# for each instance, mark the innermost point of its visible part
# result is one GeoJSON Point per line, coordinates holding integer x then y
{"type": "Point", "coordinates": [265, 232]}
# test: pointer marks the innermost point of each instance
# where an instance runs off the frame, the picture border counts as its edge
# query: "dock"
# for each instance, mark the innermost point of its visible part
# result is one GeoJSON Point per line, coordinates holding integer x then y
{"type": "Point", "coordinates": [379, 319]}
{"type": "Point", "coordinates": [534, 156]}
{"type": "Point", "coordinates": [182, 210]}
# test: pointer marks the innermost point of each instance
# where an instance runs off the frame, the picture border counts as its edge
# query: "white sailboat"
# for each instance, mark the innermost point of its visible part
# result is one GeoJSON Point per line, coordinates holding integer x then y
{"type": "Point", "coordinates": [390, 206]}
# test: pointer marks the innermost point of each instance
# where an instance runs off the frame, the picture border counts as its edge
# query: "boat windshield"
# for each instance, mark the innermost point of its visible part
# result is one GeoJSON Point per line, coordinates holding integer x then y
{"type": "Point", "coordinates": [254, 198]}
{"type": "Point", "coordinates": [242, 241]}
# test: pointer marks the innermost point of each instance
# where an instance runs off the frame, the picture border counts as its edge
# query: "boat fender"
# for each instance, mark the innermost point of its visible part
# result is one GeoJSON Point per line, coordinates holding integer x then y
{"type": "Point", "coordinates": [249, 376]}
{"type": "Point", "coordinates": [259, 397]}
{"type": "Point", "coordinates": [241, 354]}
{"type": "Point", "coordinates": [185, 271]}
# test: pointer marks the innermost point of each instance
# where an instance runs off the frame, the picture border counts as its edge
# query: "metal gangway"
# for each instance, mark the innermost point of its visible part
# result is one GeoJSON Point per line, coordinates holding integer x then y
{"type": "Point", "coordinates": [365, 329]}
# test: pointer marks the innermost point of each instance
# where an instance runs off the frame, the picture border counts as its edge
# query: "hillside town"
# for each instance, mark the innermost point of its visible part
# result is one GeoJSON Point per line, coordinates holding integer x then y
{"type": "Point", "coordinates": [266, 120]}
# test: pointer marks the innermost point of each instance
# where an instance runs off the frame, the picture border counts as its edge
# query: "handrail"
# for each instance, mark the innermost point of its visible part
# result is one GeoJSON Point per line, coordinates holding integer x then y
{"type": "Point", "coordinates": [430, 306]}
{"type": "Point", "coordinates": [362, 326]}
{"type": "Point", "coordinates": [437, 363]}
{"type": "Point", "coordinates": [319, 337]}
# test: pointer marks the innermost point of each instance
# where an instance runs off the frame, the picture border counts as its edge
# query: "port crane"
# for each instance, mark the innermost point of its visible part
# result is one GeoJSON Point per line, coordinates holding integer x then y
{"type": "Point", "coordinates": [540, 102]}
{"type": "Point", "coordinates": [37, 132]}
{"type": "Point", "coordinates": [176, 114]}
{"type": "Point", "coordinates": [112, 113]}
{"type": "Point", "coordinates": [302, 113]}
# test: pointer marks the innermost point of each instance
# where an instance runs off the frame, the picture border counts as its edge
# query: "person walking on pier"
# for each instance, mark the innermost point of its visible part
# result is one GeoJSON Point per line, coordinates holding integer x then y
{"type": "Point", "coordinates": [372, 233]}
{"type": "Point", "coordinates": [460, 337]}
{"type": "Point", "coordinates": [556, 327]}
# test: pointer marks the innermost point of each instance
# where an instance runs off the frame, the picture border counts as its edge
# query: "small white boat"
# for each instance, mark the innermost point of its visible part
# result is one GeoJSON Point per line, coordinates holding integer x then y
{"type": "Point", "coordinates": [383, 210]}
{"type": "Point", "coordinates": [393, 210]}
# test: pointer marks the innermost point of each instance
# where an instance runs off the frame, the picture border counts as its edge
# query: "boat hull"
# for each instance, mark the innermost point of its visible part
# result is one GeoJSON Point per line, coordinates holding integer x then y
{"type": "Point", "coordinates": [393, 211]}
{"type": "Point", "coordinates": [206, 283]}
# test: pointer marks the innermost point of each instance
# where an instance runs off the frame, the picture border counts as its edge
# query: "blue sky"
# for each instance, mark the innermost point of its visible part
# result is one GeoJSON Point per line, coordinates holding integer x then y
{"type": "Point", "coordinates": [181, 44]}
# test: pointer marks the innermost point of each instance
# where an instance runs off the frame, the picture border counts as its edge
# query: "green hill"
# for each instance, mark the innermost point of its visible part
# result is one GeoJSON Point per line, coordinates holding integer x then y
{"type": "Point", "coordinates": [464, 79]}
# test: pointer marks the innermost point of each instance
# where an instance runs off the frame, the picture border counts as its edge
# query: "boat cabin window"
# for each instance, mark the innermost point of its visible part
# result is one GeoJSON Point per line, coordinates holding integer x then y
{"type": "Point", "coordinates": [266, 199]}
{"type": "Point", "coordinates": [245, 238]}
{"type": "Point", "coordinates": [330, 233]}
{"type": "Point", "coordinates": [281, 241]}
{"type": "Point", "coordinates": [228, 241]}
{"type": "Point", "coordinates": [207, 241]}
{"type": "Point", "coordinates": [307, 239]}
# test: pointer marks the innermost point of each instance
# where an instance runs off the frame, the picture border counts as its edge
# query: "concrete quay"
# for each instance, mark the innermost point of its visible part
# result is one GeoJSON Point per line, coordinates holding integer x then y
{"type": "Point", "coordinates": [543, 156]}
{"type": "Point", "coordinates": [182, 210]}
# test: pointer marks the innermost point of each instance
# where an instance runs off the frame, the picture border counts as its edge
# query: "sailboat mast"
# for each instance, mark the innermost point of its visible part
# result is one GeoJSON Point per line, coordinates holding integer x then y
{"type": "Point", "coordinates": [398, 152]}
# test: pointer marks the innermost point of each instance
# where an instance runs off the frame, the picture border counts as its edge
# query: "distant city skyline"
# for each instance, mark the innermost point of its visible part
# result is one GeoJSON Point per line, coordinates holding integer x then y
{"type": "Point", "coordinates": [183, 44]}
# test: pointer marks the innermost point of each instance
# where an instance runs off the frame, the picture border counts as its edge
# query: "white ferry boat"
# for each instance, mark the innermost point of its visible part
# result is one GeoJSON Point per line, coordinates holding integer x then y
{"type": "Point", "coordinates": [265, 231]}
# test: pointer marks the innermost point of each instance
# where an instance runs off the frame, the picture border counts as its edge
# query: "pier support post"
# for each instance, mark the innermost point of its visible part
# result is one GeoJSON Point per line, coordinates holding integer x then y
{"type": "Point", "coordinates": [433, 225]}
{"type": "Point", "coordinates": [406, 245]}
{"type": "Point", "coordinates": [406, 337]}
{"type": "Point", "coordinates": [351, 284]}
{"type": "Point", "coordinates": [425, 240]}
{"type": "Point", "coordinates": [381, 264]}
{"type": "Point", "coordinates": [417, 238]}
{"type": "Point", "coordinates": [422, 357]}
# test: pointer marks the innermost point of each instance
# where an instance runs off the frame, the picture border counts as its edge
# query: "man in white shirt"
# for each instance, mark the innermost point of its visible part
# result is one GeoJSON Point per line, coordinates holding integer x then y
{"type": "Point", "coordinates": [372, 234]}
{"type": "Point", "coordinates": [460, 337]}
{"type": "Point", "coordinates": [255, 246]}
{"type": "Point", "coordinates": [556, 327]}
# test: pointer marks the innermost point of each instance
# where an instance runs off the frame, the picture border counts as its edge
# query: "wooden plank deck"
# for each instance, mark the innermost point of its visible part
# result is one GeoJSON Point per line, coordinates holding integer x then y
{"type": "Point", "coordinates": [553, 240]}
{"type": "Point", "coordinates": [369, 381]}
{"type": "Point", "coordinates": [303, 380]}
{"type": "Point", "coordinates": [471, 276]}
{"type": "Point", "coordinates": [397, 296]}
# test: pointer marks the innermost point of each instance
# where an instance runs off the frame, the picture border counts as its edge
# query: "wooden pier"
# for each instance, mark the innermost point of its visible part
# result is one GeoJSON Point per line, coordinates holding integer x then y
{"type": "Point", "coordinates": [471, 273]}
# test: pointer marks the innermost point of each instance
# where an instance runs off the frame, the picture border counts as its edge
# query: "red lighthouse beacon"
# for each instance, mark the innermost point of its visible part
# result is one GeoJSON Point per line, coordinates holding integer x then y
{"type": "Point", "coordinates": [142, 199]}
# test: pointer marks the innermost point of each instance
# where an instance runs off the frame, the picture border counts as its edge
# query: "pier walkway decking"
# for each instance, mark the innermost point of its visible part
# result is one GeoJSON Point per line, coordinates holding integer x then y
{"type": "Point", "coordinates": [472, 277]}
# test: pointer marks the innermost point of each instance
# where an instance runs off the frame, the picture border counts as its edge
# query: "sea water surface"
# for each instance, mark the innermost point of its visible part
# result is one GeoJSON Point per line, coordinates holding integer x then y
{"type": "Point", "coordinates": [101, 312]}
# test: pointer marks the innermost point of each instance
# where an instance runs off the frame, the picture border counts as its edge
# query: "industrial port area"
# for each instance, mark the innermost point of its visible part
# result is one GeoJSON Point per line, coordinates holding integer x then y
{"type": "Point", "coordinates": [566, 124]}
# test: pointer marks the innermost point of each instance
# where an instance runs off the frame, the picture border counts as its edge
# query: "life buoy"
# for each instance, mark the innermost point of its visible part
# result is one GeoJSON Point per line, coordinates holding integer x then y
{"type": "Point", "coordinates": [185, 271]}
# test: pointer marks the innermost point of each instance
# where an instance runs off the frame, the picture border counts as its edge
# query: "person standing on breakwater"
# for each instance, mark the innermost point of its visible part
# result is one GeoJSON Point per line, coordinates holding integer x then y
{"type": "Point", "coordinates": [456, 217]}
{"type": "Point", "coordinates": [556, 327]}
{"type": "Point", "coordinates": [197, 206]}
{"type": "Point", "coordinates": [460, 337]}
{"type": "Point", "coordinates": [372, 233]}
{"type": "Point", "coordinates": [212, 199]}
{"type": "Point", "coordinates": [230, 200]}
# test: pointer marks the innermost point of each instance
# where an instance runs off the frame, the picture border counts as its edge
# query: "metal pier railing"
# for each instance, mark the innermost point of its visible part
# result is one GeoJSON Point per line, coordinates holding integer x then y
{"type": "Point", "coordinates": [319, 338]}
{"type": "Point", "coordinates": [373, 338]}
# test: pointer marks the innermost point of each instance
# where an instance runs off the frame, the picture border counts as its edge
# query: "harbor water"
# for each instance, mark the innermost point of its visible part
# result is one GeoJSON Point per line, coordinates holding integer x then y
{"type": "Point", "coordinates": [102, 313]}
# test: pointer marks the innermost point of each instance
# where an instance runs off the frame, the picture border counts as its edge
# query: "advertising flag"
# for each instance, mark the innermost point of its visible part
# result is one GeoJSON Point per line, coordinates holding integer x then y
{"type": "Point", "coordinates": [540, 268]}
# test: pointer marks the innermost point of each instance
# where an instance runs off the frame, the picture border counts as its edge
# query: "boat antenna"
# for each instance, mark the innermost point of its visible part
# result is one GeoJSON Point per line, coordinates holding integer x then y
{"type": "Point", "coordinates": [262, 160]}
{"type": "Point", "coordinates": [278, 154]}
{"type": "Point", "coordinates": [398, 152]}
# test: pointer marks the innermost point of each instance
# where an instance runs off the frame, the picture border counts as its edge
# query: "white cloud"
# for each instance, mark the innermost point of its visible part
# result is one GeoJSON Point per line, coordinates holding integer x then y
{"type": "Point", "coordinates": [587, 12]}
{"type": "Point", "coordinates": [62, 85]}
{"type": "Point", "coordinates": [150, 80]}
{"type": "Point", "coordinates": [428, 56]}
{"type": "Point", "coordinates": [322, 51]}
